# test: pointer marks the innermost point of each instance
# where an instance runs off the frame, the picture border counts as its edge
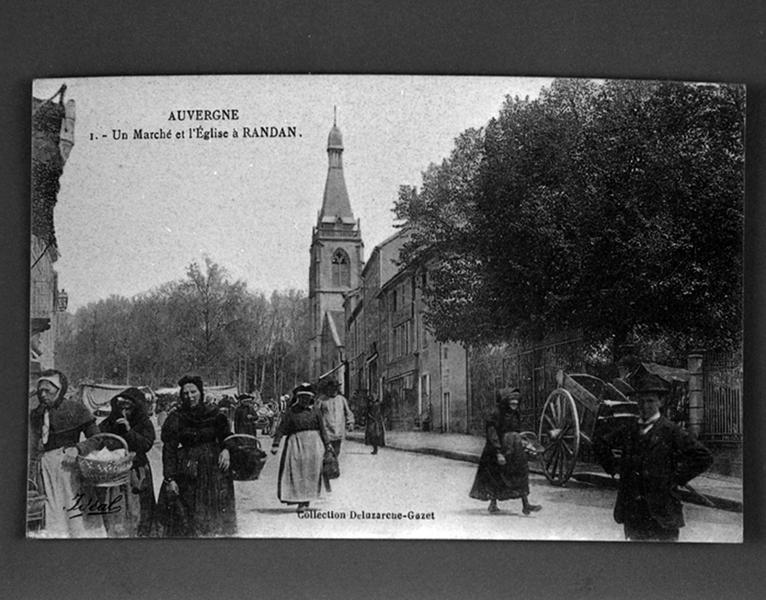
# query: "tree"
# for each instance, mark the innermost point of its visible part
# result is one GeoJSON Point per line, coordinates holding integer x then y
{"type": "Point", "coordinates": [440, 218]}
{"type": "Point", "coordinates": [210, 305]}
{"type": "Point", "coordinates": [614, 209]}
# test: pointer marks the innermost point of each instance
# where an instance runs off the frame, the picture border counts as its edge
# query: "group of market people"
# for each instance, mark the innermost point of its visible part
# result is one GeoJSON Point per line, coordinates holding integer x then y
{"type": "Point", "coordinates": [196, 497]}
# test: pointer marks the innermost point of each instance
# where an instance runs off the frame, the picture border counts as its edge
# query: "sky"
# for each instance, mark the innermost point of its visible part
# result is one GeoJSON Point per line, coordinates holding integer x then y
{"type": "Point", "coordinates": [133, 214]}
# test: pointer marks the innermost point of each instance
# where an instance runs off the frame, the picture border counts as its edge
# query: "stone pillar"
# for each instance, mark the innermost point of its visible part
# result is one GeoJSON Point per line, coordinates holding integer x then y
{"type": "Point", "coordinates": [696, 396]}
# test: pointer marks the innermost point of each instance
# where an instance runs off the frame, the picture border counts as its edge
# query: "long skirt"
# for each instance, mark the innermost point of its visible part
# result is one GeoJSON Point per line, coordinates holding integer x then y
{"type": "Point", "coordinates": [206, 495]}
{"type": "Point", "coordinates": [300, 468]}
{"type": "Point", "coordinates": [72, 509]}
{"type": "Point", "coordinates": [375, 433]}
{"type": "Point", "coordinates": [131, 507]}
{"type": "Point", "coordinates": [502, 482]}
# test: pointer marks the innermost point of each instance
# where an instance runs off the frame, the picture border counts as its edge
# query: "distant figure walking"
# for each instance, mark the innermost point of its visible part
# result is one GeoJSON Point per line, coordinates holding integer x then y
{"type": "Point", "coordinates": [245, 416]}
{"type": "Point", "coordinates": [375, 431]}
{"type": "Point", "coordinates": [503, 472]}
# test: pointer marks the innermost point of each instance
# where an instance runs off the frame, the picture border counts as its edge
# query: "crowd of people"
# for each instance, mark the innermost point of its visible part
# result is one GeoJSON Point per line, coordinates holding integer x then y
{"type": "Point", "coordinates": [196, 497]}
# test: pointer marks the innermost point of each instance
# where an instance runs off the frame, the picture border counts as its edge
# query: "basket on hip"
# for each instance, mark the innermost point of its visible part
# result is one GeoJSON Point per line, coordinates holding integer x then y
{"type": "Point", "coordinates": [246, 457]}
{"type": "Point", "coordinates": [106, 473]}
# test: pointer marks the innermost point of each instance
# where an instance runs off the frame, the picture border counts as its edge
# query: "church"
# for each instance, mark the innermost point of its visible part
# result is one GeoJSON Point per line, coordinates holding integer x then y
{"type": "Point", "coordinates": [367, 325]}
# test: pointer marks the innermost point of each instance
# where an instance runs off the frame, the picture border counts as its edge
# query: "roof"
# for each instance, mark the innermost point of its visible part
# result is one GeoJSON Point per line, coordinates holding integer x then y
{"type": "Point", "coordinates": [335, 203]}
{"type": "Point", "coordinates": [401, 236]}
{"type": "Point", "coordinates": [335, 321]}
{"type": "Point", "coordinates": [335, 139]}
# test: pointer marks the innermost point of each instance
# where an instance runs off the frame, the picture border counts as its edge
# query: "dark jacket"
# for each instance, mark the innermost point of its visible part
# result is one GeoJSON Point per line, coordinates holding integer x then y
{"type": "Point", "coordinates": [651, 468]}
{"type": "Point", "coordinates": [68, 418]}
{"type": "Point", "coordinates": [141, 436]}
{"type": "Point", "coordinates": [186, 428]}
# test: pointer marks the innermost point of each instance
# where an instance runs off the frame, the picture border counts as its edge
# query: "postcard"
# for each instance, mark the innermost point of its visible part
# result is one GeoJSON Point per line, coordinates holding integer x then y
{"type": "Point", "coordinates": [386, 307]}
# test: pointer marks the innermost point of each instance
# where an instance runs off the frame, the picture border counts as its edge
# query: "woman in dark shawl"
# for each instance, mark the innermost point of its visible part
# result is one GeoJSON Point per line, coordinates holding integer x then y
{"type": "Point", "coordinates": [374, 431]}
{"type": "Point", "coordinates": [503, 472]}
{"type": "Point", "coordinates": [198, 490]}
{"type": "Point", "coordinates": [134, 501]}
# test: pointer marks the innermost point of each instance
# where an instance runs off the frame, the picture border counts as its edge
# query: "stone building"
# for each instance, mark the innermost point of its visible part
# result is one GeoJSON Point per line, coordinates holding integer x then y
{"type": "Point", "coordinates": [52, 141]}
{"type": "Point", "coordinates": [368, 321]}
{"type": "Point", "coordinates": [336, 264]}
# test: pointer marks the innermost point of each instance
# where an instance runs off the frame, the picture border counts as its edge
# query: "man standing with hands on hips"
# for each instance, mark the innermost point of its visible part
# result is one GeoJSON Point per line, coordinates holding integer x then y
{"type": "Point", "coordinates": [657, 457]}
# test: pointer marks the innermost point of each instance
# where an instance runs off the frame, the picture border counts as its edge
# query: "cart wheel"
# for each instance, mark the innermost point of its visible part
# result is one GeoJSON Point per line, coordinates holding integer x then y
{"type": "Point", "coordinates": [560, 436]}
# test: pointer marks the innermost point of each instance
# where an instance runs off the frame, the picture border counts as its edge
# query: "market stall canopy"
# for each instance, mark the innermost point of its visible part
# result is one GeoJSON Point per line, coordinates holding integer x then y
{"type": "Point", "coordinates": [213, 393]}
{"type": "Point", "coordinates": [97, 396]}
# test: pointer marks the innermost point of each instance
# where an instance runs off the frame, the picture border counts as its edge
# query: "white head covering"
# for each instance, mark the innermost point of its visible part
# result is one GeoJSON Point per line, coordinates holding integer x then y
{"type": "Point", "coordinates": [53, 379]}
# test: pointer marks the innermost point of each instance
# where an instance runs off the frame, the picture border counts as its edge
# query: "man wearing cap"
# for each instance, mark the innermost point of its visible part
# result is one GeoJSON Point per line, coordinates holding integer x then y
{"type": "Point", "coordinates": [657, 456]}
{"type": "Point", "coordinates": [336, 414]}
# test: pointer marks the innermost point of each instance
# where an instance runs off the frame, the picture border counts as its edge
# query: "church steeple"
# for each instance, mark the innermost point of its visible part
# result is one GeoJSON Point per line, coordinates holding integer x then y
{"type": "Point", "coordinates": [335, 204]}
{"type": "Point", "coordinates": [336, 264]}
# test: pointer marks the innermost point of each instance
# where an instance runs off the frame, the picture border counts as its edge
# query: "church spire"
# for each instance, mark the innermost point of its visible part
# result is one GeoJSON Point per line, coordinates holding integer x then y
{"type": "Point", "coordinates": [335, 204]}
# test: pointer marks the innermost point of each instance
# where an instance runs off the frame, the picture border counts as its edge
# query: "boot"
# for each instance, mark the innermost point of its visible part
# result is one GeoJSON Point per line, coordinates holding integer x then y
{"type": "Point", "coordinates": [530, 508]}
{"type": "Point", "coordinates": [493, 506]}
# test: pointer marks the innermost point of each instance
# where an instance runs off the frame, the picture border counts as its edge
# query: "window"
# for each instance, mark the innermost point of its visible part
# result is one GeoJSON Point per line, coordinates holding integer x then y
{"type": "Point", "coordinates": [341, 269]}
{"type": "Point", "coordinates": [425, 386]}
{"type": "Point", "coordinates": [401, 339]}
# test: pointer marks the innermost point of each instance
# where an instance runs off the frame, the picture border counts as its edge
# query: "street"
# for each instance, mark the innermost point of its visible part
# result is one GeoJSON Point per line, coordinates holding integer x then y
{"type": "Point", "coordinates": [398, 494]}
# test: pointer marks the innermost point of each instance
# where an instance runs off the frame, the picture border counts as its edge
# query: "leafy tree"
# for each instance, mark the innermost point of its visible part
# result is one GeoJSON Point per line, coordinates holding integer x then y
{"type": "Point", "coordinates": [204, 323]}
{"type": "Point", "coordinates": [610, 208]}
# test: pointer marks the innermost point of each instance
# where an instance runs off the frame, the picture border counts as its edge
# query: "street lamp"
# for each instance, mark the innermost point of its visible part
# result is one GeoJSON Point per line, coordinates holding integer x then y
{"type": "Point", "coordinates": [62, 300]}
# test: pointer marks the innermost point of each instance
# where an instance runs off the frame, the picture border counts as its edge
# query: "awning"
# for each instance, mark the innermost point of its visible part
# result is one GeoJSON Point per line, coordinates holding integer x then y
{"type": "Point", "coordinates": [331, 371]}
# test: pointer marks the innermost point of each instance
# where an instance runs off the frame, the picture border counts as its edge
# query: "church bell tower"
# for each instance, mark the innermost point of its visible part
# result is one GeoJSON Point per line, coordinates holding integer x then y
{"type": "Point", "coordinates": [336, 261]}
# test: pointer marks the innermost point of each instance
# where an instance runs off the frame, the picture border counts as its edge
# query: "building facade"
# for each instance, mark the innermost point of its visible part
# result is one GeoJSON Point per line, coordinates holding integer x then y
{"type": "Point", "coordinates": [391, 354]}
{"type": "Point", "coordinates": [367, 320]}
{"type": "Point", "coordinates": [52, 140]}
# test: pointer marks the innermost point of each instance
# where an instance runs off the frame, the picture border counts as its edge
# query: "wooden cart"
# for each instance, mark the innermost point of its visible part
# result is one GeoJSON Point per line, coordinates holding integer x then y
{"type": "Point", "coordinates": [580, 408]}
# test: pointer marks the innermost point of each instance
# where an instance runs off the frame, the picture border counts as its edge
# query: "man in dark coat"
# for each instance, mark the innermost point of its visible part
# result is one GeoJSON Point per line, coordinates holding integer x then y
{"type": "Point", "coordinates": [657, 456]}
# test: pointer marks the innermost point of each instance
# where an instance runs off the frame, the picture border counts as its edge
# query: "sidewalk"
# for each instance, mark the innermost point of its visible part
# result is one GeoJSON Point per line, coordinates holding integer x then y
{"type": "Point", "coordinates": [710, 489]}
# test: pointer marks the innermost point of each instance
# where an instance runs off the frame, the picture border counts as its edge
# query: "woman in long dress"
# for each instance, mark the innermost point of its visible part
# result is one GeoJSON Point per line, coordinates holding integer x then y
{"type": "Point", "coordinates": [503, 472]}
{"type": "Point", "coordinates": [374, 431]}
{"type": "Point", "coordinates": [133, 500]}
{"type": "Point", "coordinates": [198, 489]}
{"type": "Point", "coordinates": [57, 425]}
{"type": "Point", "coordinates": [300, 467]}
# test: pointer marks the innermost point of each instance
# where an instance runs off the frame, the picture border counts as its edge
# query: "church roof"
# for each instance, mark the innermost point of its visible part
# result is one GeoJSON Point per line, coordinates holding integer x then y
{"type": "Point", "coordinates": [335, 139]}
{"type": "Point", "coordinates": [336, 326]}
{"type": "Point", "coordinates": [335, 204]}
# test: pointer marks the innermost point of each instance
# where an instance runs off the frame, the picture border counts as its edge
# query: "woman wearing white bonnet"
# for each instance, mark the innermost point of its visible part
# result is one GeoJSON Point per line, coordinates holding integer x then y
{"type": "Point", "coordinates": [57, 425]}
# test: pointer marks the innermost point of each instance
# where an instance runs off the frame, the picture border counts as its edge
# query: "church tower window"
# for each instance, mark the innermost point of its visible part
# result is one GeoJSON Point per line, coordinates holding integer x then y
{"type": "Point", "coordinates": [341, 269]}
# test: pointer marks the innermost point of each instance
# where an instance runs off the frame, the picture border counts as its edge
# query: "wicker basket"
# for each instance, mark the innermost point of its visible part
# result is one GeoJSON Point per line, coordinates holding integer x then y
{"type": "Point", "coordinates": [103, 473]}
{"type": "Point", "coordinates": [247, 458]}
